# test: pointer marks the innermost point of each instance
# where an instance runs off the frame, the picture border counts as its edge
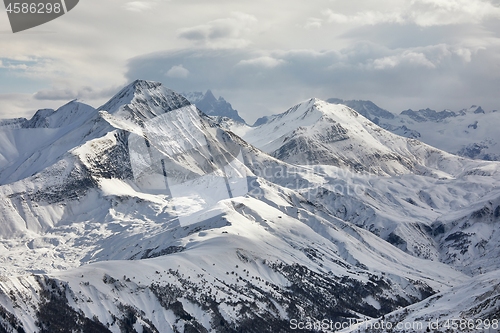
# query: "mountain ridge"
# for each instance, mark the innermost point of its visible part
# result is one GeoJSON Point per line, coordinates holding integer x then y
{"type": "Point", "coordinates": [453, 131]}
{"type": "Point", "coordinates": [147, 215]}
{"type": "Point", "coordinates": [212, 106]}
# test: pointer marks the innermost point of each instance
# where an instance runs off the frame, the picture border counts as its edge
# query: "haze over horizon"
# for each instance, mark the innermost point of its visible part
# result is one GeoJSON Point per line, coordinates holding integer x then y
{"type": "Point", "coordinates": [261, 58]}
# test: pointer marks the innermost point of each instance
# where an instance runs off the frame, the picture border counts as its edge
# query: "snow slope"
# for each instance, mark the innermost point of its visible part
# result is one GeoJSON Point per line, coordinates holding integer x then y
{"type": "Point", "coordinates": [317, 132]}
{"type": "Point", "coordinates": [145, 215]}
{"type": "Point", "coordinates": [469, 307]}
{"type": "Point", "coordinates": [470, 132]}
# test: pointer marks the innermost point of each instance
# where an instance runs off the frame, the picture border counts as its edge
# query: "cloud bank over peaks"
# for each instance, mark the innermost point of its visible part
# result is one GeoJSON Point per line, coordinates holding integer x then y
{"type": "Point", "coordinates": [363, 70]}
{"type": "Point", "coordinates": [264, 57]}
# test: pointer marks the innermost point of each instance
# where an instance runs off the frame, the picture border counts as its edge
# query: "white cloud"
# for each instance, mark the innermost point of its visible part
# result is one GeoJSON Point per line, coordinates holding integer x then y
{"type": "Point", "coordinates": [17, 105]}
{"type": "Point", "coordinates": [13, 65]}
{"type": "Point", "coordinates": [361, 71]}
{"type": "Point", "coordinates": [443, 12]}
{"type": "Point", "coordinates": [405, 58]}
{"type": "Point", "coordinates": [431, 56]}
{"type": "Point", "coordinates": [464, 53]}
{"type": "Point", "coordinates": [138, 6]}
{"type": "Point", "coordinates": [178, 72]}
{"type": "Point", "coordinates": [363, 18]}
{"type": "Point", "coordinates": [313, 23]}
{"type": "Point", "coordinates": [265, 61]}
{"type": "Point", "coordinates": [55, 95]}
{"type": "Point", "coordinates": [424, 13]}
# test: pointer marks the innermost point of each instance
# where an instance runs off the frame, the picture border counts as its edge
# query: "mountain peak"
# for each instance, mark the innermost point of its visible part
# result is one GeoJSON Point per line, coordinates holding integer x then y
{"type": "Point", "coordinates": [477, 109]}
{"type": "Point", "coordinates": [71, 113]}
{"type": "Point", "coordinates": [142, 100]}
{"type": "Point", "coordinates": [209, 96]}
{"type": "Point", "coordinates": [40, 119]}
{"type": "Point", "coordinates": [300, 110]}
{"type": "Point", "coordinates": [210, 105]}
{"type": "Point", "coordinates": [140, 85]}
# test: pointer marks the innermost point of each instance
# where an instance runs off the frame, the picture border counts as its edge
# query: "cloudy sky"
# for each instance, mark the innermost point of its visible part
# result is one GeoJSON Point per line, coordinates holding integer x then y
{"type": "Point", "coordinates": [261, 56]}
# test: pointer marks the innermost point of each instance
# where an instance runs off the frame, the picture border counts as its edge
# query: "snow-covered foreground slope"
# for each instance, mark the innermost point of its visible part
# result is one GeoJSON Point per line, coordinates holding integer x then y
{"type": "Point", "coordinates": [146, 216]}
{"type": "Point", "coordinates": [251, 266]}
{"type": "Point", "coordinates": [469, 307]}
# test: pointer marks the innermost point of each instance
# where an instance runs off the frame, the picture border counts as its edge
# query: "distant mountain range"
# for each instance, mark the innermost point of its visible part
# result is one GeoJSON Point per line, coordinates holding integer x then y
{"type": "Point", "coordinates": [211, 106]}
{"type": "Point", "coordinates": [470, 132]}
{"type": "Point", "coordinates": [148, 215]}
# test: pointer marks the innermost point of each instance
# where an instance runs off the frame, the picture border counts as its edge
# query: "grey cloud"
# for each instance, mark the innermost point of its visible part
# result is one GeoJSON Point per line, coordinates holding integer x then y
{"type": "Point", "coordinates": [411, 35]}
{"type": "Point", "coordinates": [224, 32]}
{"type": "Point", "coordinates": [17, 105]}
{"type": "Point", "coordinates": [231, 68]}
{"type": "Point", "coordinates": [221, 32]}
{"type": "Point", "coordinates": [195, 33]}
{"type": "Point", "coordinates": [69, 94]}
{"type": "Point", "coordinates": [214, 31]}
{"type": "Point", "coordinates": [274, 80]}
{"type": "Point", "coordinates": [424, 13]}
{"type": "Point", "coordinates": [59, 94]}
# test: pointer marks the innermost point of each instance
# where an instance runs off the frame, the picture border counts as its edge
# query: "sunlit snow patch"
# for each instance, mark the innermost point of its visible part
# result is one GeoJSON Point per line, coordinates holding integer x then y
{"type": "Point", "coordinates": [173, 156]}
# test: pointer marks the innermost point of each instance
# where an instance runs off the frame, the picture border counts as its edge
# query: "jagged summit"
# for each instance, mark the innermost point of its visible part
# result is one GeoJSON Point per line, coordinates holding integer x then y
{"type": "Point", "coordinates": [210, 105]}
{"type": "Point", "coordinates": [367, 109]}
{"type": "Point", "coordinates": [142, 100]}
{"type": "Point", "coordinates": [71, 113]}
{"type": "Point", "coordinates": [209, 96]}
{"type": "Point", "coordinates": [428, 115]}
{"type": "Point", "coordinates": [475, 109]}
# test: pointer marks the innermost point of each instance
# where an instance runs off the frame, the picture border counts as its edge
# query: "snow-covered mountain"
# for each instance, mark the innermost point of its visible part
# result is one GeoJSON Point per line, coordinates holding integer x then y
{"type": "Point", "coordinates": [469, 132]}
{"type": "Point", "coordinates": [212, 106]}
{"type": "Point", "coordinates": [145, 215]}
{"type": "Point", "coordinates": [318, 132]}
{"type": "Point", "coordinates": [463, 308]}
